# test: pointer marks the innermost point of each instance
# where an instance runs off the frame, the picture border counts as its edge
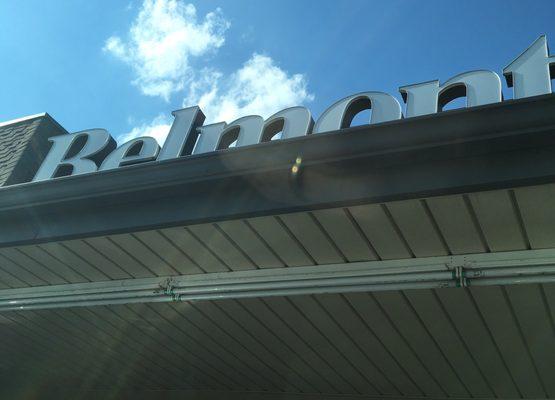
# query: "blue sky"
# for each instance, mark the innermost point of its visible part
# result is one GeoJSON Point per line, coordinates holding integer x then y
{"type": "Point", "coordinates": [125, 66]}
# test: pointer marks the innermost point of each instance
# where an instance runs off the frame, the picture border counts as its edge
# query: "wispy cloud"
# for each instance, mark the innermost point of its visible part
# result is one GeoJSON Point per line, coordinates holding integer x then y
{"type": "Point", "coordinates": [161, 43]}
{"type": "Point", "coordinates": [158, 128]}
{"type": "Point", "coordinates": [258, 87]}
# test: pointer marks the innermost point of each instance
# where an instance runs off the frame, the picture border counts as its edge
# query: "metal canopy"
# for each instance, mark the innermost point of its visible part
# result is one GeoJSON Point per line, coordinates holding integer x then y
{"type": "Point", "coordinates": [340, 282]}
{"type": "Point", "coordinates": [501, 145]}
{"type": "Point", "coordinates": [482, 222]}
{"type": "Point", "coordinates": [402, 343]}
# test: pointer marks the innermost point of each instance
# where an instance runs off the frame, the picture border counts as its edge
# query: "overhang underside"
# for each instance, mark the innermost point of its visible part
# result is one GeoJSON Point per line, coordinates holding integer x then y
{"type": "Point", "coordinates": [480, 342]}
{"type": "Point", "coordinates": [522, 218]}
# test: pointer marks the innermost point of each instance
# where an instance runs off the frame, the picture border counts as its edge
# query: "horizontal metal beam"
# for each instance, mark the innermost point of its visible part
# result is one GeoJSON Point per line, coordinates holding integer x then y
{"type": "Point", "coordinates": [501, 145]}
{"type": "Point", "coordinates": [530, 266]}
{"type": "Point", "coordinates": [179, 394]}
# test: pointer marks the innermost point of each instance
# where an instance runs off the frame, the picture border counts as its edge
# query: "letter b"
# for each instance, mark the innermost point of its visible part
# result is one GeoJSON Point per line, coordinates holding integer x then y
{"type": "Point", "coordinates": [98, 143]}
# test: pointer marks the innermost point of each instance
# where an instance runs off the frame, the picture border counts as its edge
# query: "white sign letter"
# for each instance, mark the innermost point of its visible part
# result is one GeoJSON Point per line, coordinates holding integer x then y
{"type": "Point", "coordinates": [340, 115]}
{"type": "Point", "coordinates": [183, 133]}
{"type": "Point", "coordinates": [531, 72]}
{"type": "Point", "coordinates": [479, 87]}
{"type": "Point", "coordinates": [98, 143]}
{"type": "Point", "coordinates": [252, 129]}
{"type": "Point", "coordinates": [135, 151]}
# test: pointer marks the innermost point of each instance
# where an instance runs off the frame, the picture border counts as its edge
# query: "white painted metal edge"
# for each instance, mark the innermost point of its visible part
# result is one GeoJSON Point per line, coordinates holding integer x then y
{"type": "Point", "coordinates": [28, 117]}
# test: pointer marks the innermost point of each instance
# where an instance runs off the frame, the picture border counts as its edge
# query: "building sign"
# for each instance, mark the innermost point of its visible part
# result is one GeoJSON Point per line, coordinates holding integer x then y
{"type": "Point", "coordinates": [95, 150]}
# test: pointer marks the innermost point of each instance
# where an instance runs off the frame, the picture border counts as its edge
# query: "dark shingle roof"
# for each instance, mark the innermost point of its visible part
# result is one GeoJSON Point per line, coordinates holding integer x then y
{"type": "Point", "coordinates": [23, 145]}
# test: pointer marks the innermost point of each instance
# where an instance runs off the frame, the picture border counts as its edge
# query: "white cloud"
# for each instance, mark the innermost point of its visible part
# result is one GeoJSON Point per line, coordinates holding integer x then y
{"type": "Point", "coordinates": [163, 39]}
{"type": "Point", "coordinates": [158, 128]}
{"type": "Point", "coordinates": [258, 87]}
{"type": "Point", "coordinates": [161, 42]}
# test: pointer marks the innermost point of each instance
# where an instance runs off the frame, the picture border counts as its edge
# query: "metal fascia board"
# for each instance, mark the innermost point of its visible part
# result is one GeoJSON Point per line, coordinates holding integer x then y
{"type": "Point", "coordinates": [501, 145]}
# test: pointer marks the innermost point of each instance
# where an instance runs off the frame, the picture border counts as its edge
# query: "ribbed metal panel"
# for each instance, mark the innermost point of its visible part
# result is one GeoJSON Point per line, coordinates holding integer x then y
{"type": "Point", "coordinates": [487, 342]}
{"type": "Point", "coordinates": [482, 222]}
{"type": "Point", "coordinates": [482, 342]}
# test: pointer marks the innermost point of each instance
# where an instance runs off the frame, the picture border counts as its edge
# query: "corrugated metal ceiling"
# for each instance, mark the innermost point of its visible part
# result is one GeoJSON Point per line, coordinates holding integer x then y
{"type": "Point", "coordinates": [487, 342]}
{"type": "Point", "coordinates": [503, 220]}
{"type": "Point", "coordinates": [491, 342]}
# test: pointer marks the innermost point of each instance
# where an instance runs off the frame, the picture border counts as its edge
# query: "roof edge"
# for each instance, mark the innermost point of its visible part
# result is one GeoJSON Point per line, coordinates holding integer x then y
{"type": "Point", "coordinates": [22, 119]}
{"type": "Point", "coordinates": [31, 117]}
